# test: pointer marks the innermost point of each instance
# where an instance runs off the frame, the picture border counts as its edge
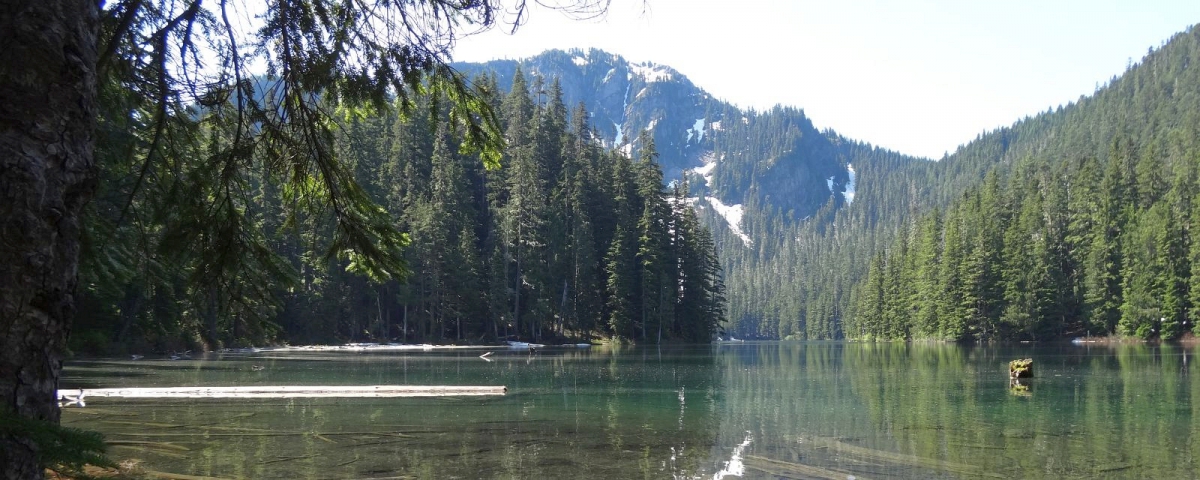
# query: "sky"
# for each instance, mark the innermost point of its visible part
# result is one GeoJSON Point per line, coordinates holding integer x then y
{"type": "Point", "coordinates": [919, 77]}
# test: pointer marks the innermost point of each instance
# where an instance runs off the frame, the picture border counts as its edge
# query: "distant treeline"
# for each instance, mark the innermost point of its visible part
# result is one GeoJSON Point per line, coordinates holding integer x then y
{"type": "Point", "coordinates": [1083, 247]}
{"type": "Point", "coordinates": [1075, 221]}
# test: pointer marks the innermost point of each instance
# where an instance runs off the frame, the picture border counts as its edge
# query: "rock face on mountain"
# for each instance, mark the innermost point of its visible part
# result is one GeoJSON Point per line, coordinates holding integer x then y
{"type": "Point", "coordinates": [776, 160]}
{"type": "Point", "coordinates": [623, 99]}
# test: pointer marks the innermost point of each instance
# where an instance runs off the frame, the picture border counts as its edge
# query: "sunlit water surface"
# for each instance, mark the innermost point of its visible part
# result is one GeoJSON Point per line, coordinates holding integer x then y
{"type": "Point", "coordinates": [752, 410]}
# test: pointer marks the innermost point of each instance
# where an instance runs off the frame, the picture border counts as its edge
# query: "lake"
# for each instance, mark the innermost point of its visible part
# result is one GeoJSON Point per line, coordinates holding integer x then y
{"type": "Point", "coordinates": [754, 410]}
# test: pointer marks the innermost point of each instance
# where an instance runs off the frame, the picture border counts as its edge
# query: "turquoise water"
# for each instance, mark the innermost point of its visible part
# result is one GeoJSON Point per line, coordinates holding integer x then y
{"type": "Point", "coordinates": [754, 410]}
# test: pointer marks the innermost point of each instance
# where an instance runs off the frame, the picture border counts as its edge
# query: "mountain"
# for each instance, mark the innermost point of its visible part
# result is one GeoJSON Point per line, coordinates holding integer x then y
{"type": "Point", "coordinates": [760, 179]}
{"type": "Point", "coordinates": [733, 157]}
{"type": "Point", "coordinates": [624, 98]}
{"type": "Point", "coordinates": [807, 212]}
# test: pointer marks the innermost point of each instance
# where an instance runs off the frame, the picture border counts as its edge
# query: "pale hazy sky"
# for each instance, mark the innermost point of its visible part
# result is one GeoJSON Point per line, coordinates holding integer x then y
{"type": "Point", "coordinates": [919, 77]}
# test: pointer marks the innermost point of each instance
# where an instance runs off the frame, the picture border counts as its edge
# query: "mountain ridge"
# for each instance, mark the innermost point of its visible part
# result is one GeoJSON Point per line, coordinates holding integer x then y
{"type": "Point", "coordinates": [711, 142]}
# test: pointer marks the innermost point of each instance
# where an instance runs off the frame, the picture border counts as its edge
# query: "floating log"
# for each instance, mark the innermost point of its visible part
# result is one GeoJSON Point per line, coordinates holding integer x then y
{"type": "Point", "coordinates": [844, 449]}
{"type": "Point", "coordinates": [370, 391]}
{"type": "Point", "coordinates": [1020, 368]}
{"type": "Point", "coordinates": [782, 468]}
{"type": "Point", "coordinates": [173, 476]}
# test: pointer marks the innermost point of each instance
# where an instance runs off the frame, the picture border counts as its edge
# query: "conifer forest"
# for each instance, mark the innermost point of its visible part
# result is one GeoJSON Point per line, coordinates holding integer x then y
{"type": "Point", "coordinates": [561, 239]}
{"type": "Point", "coordinates": [1071, 222]}
{"type": "Point", "coordinates": [1074, 222]}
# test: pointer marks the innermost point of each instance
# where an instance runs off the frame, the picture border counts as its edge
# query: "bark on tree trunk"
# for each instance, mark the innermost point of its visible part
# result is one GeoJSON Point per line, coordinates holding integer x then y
{"type": "Point", "coordinates": [47, 118]}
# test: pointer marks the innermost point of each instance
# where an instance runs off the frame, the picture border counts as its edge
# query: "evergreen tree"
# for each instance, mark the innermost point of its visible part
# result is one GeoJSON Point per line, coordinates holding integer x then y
{"type": "Point", "coordinates": [622, 284]}
{"type": "Point", "coordinates": [653, 250]}
{"type": "Point", "coordinates": [927, 282]}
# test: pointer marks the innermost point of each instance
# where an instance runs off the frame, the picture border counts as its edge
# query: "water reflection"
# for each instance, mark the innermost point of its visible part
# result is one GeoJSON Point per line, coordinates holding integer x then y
{"type": "Point", "coordinates": [935, 411]}
{"type": "Point", "coordinates": [755, 410]}
{"type": "Point", "coordinates": [599, 413]}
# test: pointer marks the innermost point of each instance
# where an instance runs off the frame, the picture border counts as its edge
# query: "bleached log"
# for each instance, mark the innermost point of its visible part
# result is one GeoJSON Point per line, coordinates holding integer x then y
{"type": "Point", "coordinates": [370, 391]}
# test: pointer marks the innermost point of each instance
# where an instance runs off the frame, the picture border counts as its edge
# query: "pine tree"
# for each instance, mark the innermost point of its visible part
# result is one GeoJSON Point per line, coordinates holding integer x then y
{"type": "Point", "coordinates": [1193, 317]}
{"type": "Point", "coordinates": [653, 245]}
{"type": "Point", "coordinates": [951, 315]}
{"type": "Point", "coordinates": [980, 270]}
{"type": "Point", "coordinates": [577, 188]}
{"type": "Point", "coordinates": [622, 283]}
{"type": "Point", "coordinates": [869, 318]}
{"type": "Point", "coordinates": [1024, 268]}
{"type": "Point", "coordinates": [1171, 261]}
{"type": "Point", "coordinates": [928, 283]}
{"type": "Point", "coordinates": [1141, 287]}
{"type": "Point", "coordinates": [1102, 267]}
{"type": "Point", "coordinates": [524, 214]}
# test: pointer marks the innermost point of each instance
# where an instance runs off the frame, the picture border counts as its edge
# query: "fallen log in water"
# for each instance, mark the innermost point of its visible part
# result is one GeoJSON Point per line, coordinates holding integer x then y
{"type": "Point", "coordinates": [896, 458]}
{"type": "Point", "coordinates": [174, 476]}
{"type": "Point", "coordinates": [782, 468]}
{"type": "Point", "coordinates": [370, 391]}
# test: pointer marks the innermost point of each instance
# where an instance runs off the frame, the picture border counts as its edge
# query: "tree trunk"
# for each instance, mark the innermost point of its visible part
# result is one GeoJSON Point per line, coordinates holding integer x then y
{"type": "Point", "coordinates": [47, 118]}
{"type": "Point", "coordinates": [519, 282]}
{"type": "Point", "coordinates": [130, 307]}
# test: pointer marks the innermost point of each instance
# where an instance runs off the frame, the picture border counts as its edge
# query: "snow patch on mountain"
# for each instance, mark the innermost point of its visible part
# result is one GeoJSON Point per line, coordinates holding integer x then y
{"type": "Point", "coordinates": [625, 101]}
{"type": "Point", "coordinates": [733, 216]}
{"type": "Point", "coordinates": [697, 129]}
{"type": "Point", "coordinates": [620, 137]}
{"type": "Point", "coordinates": [716, 126]}
{"type": "Point", "coordinates": [652, 124]}
{"type": "Point", "coordinates": [650, 72]}
{"type": "Point", "coordinates": [580, 60]}
{"type": "Point", "coordinates": [705, 171]}
{"type": "Point", "coordinates": [689, 201]}
{"type": "Point", "coordinates": [849, 195]}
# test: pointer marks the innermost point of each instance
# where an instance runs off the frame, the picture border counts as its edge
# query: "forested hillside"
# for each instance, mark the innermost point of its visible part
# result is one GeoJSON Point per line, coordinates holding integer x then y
{"type": "Point", "coordinates": [762, 178]}
{"type": "Point", "coordinates": [563, 239]}
{"type": "Point", "coordinates": [1091, 233]}
{"type": "Point", "coordinates": [1084, 224]}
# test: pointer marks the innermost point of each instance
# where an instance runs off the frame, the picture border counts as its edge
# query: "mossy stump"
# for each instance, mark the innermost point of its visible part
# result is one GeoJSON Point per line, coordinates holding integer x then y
{"type": "Point", "coordinates": [1019, 389]}
{"type": "Point", "coordinates": [1020, 368]}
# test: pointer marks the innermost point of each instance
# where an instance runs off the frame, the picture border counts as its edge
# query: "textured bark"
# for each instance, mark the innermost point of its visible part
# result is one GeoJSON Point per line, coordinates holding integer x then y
{"type": "Point", "coordinates": [47, 118]}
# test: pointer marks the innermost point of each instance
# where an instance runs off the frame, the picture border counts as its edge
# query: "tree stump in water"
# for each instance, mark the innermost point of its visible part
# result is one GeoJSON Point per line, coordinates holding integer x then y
{"type": "Point", "coordinates": [1021, 368]}
{"type": "Point", "coordinates": [1016, 387]}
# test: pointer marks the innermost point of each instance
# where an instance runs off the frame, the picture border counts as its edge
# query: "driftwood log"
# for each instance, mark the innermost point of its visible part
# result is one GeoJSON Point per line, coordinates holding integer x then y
{"type": "Point", "coordinates": [339, 391]}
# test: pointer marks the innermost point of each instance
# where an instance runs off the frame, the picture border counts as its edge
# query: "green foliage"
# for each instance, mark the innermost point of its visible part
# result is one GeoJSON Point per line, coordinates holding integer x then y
{"type": "Point", "coordinates": [219, 189]}
{"type": "Point", "coordinates": [562, 240]}
{"type": "Point", "coordinates": [64, 450]}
